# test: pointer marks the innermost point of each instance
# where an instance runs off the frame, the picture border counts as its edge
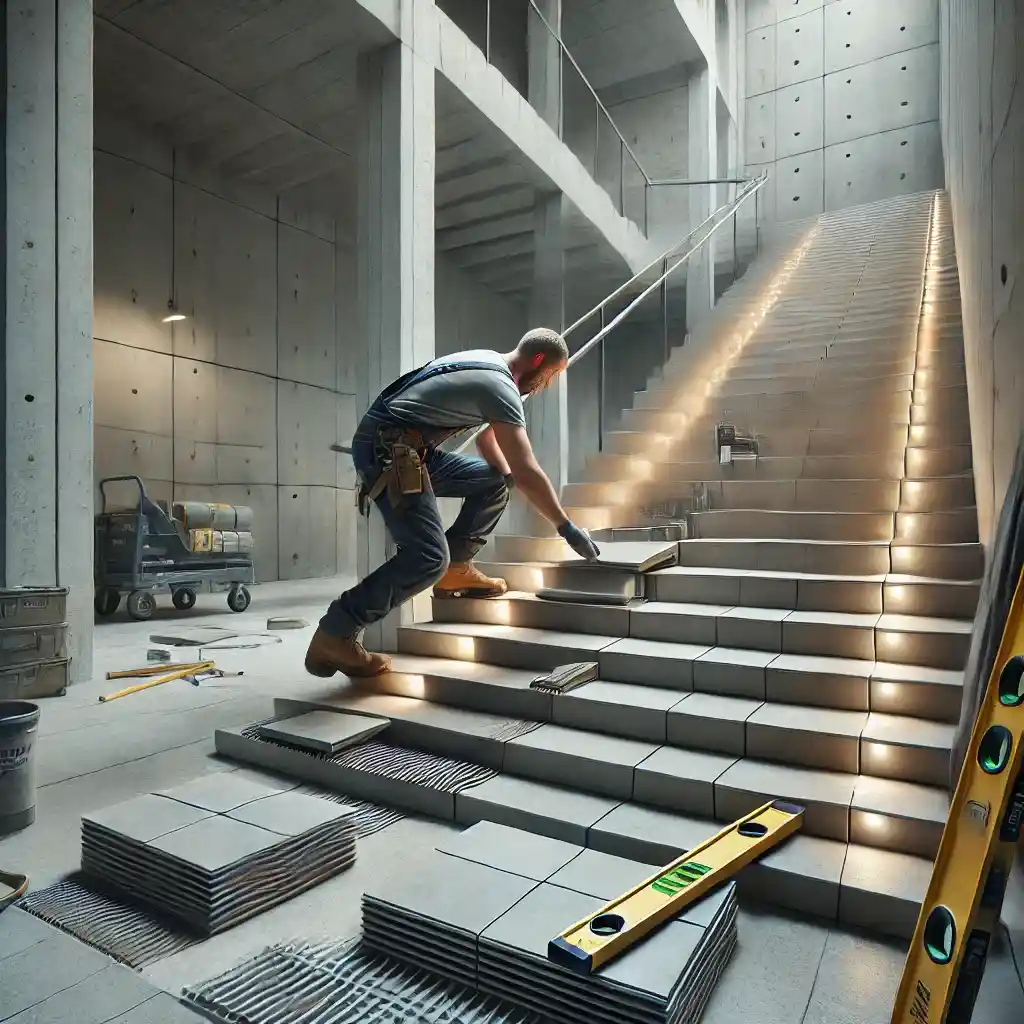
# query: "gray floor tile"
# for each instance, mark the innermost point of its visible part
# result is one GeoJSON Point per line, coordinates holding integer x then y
{"type": "Point", "coordinates": [458, 893]}
{"type": "Point", "coordinates": [510, 849]}
{"type": "Point", "coordinates": [292, 814]}
{"type": "Point", "coordinates": [44, 969]}
{"type": "Point", "coordinates": [601, 875]}
{"type": "Point", "coordinates": [99, 997]}
{"type": "Point", "coordinates": [772, 972]}
{"type": "Point", "coordinates": [216, 843]}
{"type": "Point", "coordinates": [325, 731]}
{"type": "Point", "coordinates": [19, 931]}
{"type": "Point", "coordinates": [147, 817]}
{"type": "Point", "coordinates": [857, 981]}
{"type": "Point", "coordinates": [226, 790]}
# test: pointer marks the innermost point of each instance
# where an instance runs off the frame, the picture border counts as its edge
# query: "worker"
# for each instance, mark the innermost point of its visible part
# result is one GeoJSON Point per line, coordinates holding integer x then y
{"type": "Point", "coordinates": [401, 468]}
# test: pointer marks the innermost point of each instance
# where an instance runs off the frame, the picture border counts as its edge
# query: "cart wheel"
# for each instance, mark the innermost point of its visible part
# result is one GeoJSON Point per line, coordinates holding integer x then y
{"type": "Point", "coordinates": [106, 601]}
{"type": "Point", "coordinates": [141, 605]}
{"type": "Point", "coordinates": [184, 599]}
{"type": "Point", "coordinates": [238, 599]}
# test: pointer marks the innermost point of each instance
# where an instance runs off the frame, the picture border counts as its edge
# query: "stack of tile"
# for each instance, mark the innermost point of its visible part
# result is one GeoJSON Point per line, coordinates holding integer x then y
{"type": "Point", "coordinates": [218, 850]}
{"type": "Point", "coordinates": [482, 908]}
{"type": "Point", "coordinates": [666, 978]}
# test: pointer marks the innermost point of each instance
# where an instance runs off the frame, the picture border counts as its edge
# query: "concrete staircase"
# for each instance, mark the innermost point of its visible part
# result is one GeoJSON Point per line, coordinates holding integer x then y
{"type": "Point", "coordinates": [810, 642]}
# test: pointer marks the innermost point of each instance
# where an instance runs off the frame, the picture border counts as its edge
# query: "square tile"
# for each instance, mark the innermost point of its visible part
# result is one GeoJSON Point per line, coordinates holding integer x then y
{"type": "Point", "coordinates": [145, 818]}
{"type": "Point", "coordinates": [648, 835]}
{"type": "Point", "coordinates": [651, 662]}
{"type": "Point", "coordinates": [537, 918]}
{"type": "Point", "coordinates": [324, 732]}
{"type": "Point", "coordinates": [823, 682]}
{"type": "Point", "coordinates": [20, 930]}
{"type": "Point", "coordinates": [293, 814]}
{"type": "Point", "coordinates": [510, 849]}
{"type": "Point", "coordinates": [624, 709]}
{"type": "Point", "coordinates": [455, 892]}
{"type": "Point", "coordinates": [803, 873]}
{"type": "Point", "coordinates": [705, 721]}
{"type": "Point", "coordinates": [224, 791]}
{"type": "Point", "coordinates": [601, 875]}
{"type": "Point", "coordinates": [824, 795]}
{"type": "Point", "coordinates": [680, 780]}
{"type": "Point", "coordinates": [732, 672]}
{"type": "Point", "coordinates": [534, 807]}
{"type": "Point", "coordinates": [676, 623]}
{"type": "Point", "coordinates": [812, 737]}
{"type": "Point", "coordinates": [214, 844]}
{"type": "Point", "coordinates": [556, 754]}
{"type": "Point", "coordinates": [752, 628]}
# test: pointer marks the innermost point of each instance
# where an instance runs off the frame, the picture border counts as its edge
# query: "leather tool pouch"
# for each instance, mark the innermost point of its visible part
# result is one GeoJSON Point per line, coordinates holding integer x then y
{"type": "Point", "coordinates": [409, 468]}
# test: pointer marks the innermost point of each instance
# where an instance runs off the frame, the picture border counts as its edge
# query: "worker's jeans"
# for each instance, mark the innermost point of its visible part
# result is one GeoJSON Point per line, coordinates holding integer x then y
{"type": "Point", "coordinates": [424, 549]}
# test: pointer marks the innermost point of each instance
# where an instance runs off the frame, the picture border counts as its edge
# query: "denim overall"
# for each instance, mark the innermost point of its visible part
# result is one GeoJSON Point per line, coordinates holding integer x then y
{"type": "Point", "coordinates": [425, 550]}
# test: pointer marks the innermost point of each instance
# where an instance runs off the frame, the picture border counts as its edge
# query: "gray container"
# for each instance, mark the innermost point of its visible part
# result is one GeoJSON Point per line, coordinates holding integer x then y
{"type": "Point", "coordinates": [243, 519]}
{"type": "Point", "coordinates": [33, 606]}
{"type": "Point", "coordinates": [30, 682]}
{"type": "Point", "coordinates": [19, 726]}
{"type": "Point", "coordinates": [31, 644]}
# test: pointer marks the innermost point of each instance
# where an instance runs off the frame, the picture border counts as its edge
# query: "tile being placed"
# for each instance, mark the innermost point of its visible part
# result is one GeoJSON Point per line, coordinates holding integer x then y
{"type": "Point", "coordinates": [511, 849]}
{"type": "Point", "coordinates": [324, 732]}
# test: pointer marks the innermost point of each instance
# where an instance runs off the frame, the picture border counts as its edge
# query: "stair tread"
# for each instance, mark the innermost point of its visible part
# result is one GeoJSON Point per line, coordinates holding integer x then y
{"type": "Point", "coordinates": [886, 671]}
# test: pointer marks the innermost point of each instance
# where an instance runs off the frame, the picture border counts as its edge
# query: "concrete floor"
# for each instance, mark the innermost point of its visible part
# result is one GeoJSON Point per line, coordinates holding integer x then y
{"type": "Point", "coordinates": [91, 755]}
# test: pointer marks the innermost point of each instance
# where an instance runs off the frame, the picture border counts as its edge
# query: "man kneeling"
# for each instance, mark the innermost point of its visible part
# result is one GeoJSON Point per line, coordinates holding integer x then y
{"type": "Point", "coordinates": [402, 470]}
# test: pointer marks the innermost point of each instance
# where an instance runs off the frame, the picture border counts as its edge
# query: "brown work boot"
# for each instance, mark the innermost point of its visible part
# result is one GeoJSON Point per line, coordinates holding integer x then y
{"type": "Point", "coordinates": [329, 654]}
{"type": "Point", "coordinates": [464, 579]}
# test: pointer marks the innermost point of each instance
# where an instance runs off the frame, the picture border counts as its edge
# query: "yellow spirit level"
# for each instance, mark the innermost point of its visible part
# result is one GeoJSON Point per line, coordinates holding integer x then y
{"type": "Point", "coordinates": [960, 911]}
{"type": "Point", "coordinates": [617, 925]}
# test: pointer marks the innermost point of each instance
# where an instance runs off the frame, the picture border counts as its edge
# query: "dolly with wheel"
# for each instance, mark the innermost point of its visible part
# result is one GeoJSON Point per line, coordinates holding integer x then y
{"type": "Point", "coordinates": [142, 551]}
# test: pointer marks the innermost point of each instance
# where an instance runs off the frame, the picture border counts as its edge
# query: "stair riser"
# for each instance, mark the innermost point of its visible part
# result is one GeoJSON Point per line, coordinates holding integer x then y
{"type": "Point", "coordinates": [956, 526]}
{"type": "Point", "coordinates": [935, 600]}
{"type": "Point", "coordinates": [829, 526]}
{"type": "Point", "coordinates": [786, 382]}
{"type": "Point", "coordinates": [493, 650]}
{"type": "Point", "coordinates": [768, 592]}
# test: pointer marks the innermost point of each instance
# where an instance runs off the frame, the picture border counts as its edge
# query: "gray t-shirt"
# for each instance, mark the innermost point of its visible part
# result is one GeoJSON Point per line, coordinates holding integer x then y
{"type": "Point", "coordinates": [463, 398]}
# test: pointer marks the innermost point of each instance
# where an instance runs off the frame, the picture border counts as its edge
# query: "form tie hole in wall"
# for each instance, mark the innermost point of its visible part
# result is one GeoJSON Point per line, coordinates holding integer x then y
{"type": "Point", "coordinates": [903, 175]}
{"type": "Point", "coordinates": [795, 63]}
{"type": "Point", "coordinates": [904, 68]}
{"type": "Point", "coordinates": [904, 142]}
{"type": "Point", "coordinates": [796, 199]}
{"type": "Point", "coordinates": [135, 391]}
{"type": "Point", "coordinates": [1003, 273]}
{"type": "Point", "coordinates": [32, 398]}
{"type": "Point", "coordinates": [905, 103]}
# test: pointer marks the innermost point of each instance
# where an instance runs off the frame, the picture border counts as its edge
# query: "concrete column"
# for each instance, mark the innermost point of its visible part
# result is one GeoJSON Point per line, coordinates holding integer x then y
{"type": "Point", "coordinates": [396, 252]}
{"type": "Point", "coordinates": [545, 61]}
{"type": "Point", "coordinates": [703, 153]}
{"type": "Point", "coordinates": [47, 344]}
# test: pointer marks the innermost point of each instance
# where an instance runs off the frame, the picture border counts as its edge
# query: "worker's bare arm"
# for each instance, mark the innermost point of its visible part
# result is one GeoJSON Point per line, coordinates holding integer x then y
{"type": "Point", "coordinates": [514, 445]}
{"type": "Point", "coordinates": [490, 451]}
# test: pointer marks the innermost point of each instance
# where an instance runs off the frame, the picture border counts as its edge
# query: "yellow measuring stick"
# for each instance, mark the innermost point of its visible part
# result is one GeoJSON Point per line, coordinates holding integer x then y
{"type": "Point", "coordinates": [156, 670]}
{"type": "Point", "coordinates": [180, 673]}
{"type": "Point", "coordinates": [946, 960]}
{"type": "Point", "coordinates": [617, 925]}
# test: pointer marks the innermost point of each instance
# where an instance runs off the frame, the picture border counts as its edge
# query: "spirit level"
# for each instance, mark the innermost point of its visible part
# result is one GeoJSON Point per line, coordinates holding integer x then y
{"type": "Point", "coordinates": [960, 911]}
{"type": "Point", "coordinates": [617, 925]}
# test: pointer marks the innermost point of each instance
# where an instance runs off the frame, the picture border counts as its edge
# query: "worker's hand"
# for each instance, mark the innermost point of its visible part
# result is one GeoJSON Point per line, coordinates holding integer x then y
{"type": "Point", "coordinates": [579, 540]}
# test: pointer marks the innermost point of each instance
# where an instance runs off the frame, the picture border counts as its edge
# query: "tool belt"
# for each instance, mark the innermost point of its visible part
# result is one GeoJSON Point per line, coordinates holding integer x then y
{"type": "Point", "coordinates": [401, 454]}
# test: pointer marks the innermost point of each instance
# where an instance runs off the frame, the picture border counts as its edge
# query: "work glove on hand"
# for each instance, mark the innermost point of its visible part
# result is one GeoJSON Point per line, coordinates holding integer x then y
{"type": "Point", "coordinates": [579, 540]}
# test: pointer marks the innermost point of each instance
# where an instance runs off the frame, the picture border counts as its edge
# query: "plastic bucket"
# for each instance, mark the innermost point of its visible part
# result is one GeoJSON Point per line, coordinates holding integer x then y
{"type": "Point", "coordinates": [19, 726]}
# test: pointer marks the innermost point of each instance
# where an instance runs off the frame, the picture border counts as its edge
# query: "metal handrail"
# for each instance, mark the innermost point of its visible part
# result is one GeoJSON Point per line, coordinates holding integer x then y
{"type": "Point", "coordinates": [586, 81]}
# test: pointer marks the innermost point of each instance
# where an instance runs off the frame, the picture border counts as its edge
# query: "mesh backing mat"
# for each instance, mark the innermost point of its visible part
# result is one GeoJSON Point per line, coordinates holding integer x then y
{"type": "Point", "coordinates": [135, 935]}
{"type": "Point", "coordinates": [343, 983]}
{"type": "Point", "coordinates": [403, 764]}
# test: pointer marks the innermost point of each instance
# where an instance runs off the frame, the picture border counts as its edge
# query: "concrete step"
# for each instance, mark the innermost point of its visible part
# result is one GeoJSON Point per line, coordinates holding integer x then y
{"type": "Point", "coordinates": [836, 558]}
{"type": "Point", "coordinates": [823, 681]}
{"type": "Point", "coordinates": [912, 595]}
{"type": "Point", "coordinates": [862, 886]}
{"type": "Point", "coordinates": [906, 817]}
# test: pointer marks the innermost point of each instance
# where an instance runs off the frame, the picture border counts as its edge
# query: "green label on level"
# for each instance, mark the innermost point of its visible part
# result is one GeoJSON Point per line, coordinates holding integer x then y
{"type": "Point", "coordinates": [679, 878]}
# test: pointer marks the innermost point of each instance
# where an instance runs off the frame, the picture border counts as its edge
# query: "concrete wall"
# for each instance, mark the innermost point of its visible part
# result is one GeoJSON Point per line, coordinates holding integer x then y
{"type": "Point", "coordinates": [982, 47]}
{"type": "Point", "coordinates": [468, 315]}
{"type": "Point", "coordinates": [241, 401]}
{"type": "Point", "coordinates": [842, 101]}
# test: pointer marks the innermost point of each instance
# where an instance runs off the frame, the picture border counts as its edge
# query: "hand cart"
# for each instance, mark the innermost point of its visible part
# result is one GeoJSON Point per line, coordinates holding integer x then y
{"type": "Point", "coordinates": [142, 551]}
